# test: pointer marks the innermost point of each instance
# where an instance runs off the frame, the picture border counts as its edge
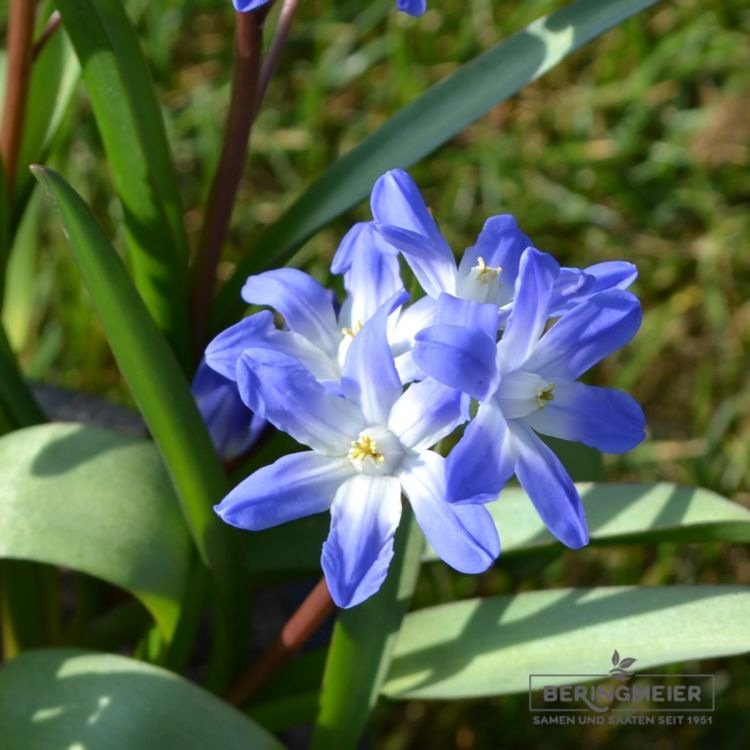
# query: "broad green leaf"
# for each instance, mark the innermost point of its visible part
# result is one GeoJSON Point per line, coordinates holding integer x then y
{"type": "Point", "coordinates": [154, 376]}
{"type": "Point", "coordinates": [626, 514]}
{"type": "Point", "coordinates": [91, 701]}
{"type": "Point", "coordinates": [99, 502]}
{"type": "Point", "coordinates": [362, 647]}
{"type": "Point", "coordinates": [484, 647]}
{"type": "Point", "coordinates": [132, 130]}
{"type": "Point", "coordinates": [423, 125]}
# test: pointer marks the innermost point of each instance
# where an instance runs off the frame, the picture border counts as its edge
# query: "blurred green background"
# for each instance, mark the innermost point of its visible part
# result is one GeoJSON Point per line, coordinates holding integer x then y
{"type": "Point", "coordinates": [637, 147]}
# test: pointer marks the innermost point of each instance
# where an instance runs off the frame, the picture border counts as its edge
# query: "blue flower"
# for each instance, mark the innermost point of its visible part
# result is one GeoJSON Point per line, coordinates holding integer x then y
{"type": "Point", "coordinates": [488, 270]}
{"type": "Point", "coordinates": [368, 446]}
{"type": "Point", "coordinates": [315, 333]}
{"type": "Point", "coordinates": [527, 383]}
{"type": "Point", "coordinates": [412, 7]}
{"type": "Point", "coordinates": [232, 427]}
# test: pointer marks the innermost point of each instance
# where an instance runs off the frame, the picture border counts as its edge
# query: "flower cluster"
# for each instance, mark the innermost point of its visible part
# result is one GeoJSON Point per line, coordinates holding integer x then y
{"type": "Point", "coordinates": [373, 385]}
{"type": "Point", "coordinates": [412, 7]}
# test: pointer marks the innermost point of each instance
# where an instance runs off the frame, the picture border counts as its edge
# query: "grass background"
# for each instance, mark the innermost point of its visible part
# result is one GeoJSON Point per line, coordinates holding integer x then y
{"type": "Point", "coordinates": [636, 147]}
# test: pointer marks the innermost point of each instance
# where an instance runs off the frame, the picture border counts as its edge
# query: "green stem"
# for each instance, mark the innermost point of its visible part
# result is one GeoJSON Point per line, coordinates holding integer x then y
{"type": "Point", "coordinates": [362, 647]}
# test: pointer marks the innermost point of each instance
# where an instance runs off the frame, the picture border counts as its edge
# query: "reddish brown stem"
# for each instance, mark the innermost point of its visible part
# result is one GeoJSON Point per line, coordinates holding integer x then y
{"type": "Point", "coordinates": [54, 23]}
{"type": "Point", "coordinates": [283, 27]}
{"type": "Point", "coordinates": [298, 629]}
{"type": "Point", "coordinates": [20, 35]}
{"type": "Point", "coordinates": [221, 198]}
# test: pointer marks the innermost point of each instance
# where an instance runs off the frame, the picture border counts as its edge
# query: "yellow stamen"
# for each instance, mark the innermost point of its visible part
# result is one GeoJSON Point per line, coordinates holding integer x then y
{"type": "Point", "coordinates": [354, 330]}
{"type": "Point", "coordinates": [486, 272]}
{"type": "Point", "coordinates": [364, 448]}
{"type": "Point", "coordinates": [544, 394]}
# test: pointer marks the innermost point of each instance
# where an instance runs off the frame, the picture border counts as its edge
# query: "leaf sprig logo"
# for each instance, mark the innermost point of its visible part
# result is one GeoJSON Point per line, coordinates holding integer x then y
{"type": "Point", "coordinates": [619, 670]}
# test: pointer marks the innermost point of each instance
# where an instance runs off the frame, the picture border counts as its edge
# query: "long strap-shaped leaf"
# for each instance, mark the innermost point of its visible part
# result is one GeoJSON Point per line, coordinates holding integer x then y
{"type": "Point", "coordinates": [130, 123]}
{"type": "Point", "coordinates": [483, 647]}
{"type": "Point", "coordinates": [153, 374]}
{"type": "Point", "coordinates": [425, 124]}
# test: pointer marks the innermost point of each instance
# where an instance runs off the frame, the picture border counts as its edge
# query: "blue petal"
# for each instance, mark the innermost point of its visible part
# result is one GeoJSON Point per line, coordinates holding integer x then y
{"type": "Point", "coordinates": [464, 536]}
{"type": "Point", "coordinates": [369, 376]}
{"type": "Point", "coordinates": [258, 331]}
{"type": "Point", "coordinates": [462, 358]}
{"type": "Point", "coordinates": [585, 335]}
{"type": "Point", "coordinates": [371, 273]}
{"type": "Point", "coordinates": [612, 274]}
{"type": "Point", "coordinates": [482, 461]}
{"type": "Point", "coordinates": [223, 353]}
{"type": "Point", "coordinates": [305, 305]}
{"type": "Point", "coordinates": [246, 5]}
{"type": "Point", "coordinates": [426, 413]}
{"type": "Point", "coordinates": [280, 389]}
{"type": "Point", "coordinates": [232, 426]}
{"type": "Point", "coordinates": [463, 312]}
{"type": "Point", "coordinates": [412, 7]}
{"type": "Point", "coordinates": [500, 243]}
{"type": "Point", "coordinates": [364, 518]}
{"type": "Point", "coordinates": [552, 491]}
{"type": "Point", "coordinates": [602, 418]}
{"type": "Point", "coordinates": [295, 486]}
{"type": "Point", "coordinates": [536, 277]}
{"type": "Point", "coordinates": [403, 219]}
{"type": "Point", "coordinates": [571, 286]}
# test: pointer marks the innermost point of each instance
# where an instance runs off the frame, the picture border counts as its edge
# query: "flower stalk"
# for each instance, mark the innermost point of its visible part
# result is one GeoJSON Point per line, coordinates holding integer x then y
{"type": "Point", "coordinates": [223, 192]}
{"type": "Point", "coordinates": [20, 46]}
{"type": "Point", "coordinates": [295, 633]}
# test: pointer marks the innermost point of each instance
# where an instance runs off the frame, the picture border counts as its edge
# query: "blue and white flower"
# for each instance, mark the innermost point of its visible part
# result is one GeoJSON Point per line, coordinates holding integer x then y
{"type": "Point", "coordinates": [527, 383]}
{"type": "Point", "coordinates": [488, 270]}
{"type": "Point", "coordinates": [367, 447]}
{"type": "Point", "coordinates": [315, 332]}
{"type": "Point", "coordinates": [412, 7]}
{"type": "Point", "coordinates": [232, 426]}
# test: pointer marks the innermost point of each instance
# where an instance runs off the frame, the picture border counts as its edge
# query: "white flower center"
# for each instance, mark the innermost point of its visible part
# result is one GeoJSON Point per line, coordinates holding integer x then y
{"type": "Point", "coordinates": [521, 393]}
{"type": "Point", "coordinates": [376, 451]}
{"type": "Point", "coordinates": [481, 283]}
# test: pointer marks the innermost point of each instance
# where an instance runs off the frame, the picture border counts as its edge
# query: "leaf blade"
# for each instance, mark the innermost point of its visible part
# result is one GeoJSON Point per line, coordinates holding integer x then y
{"type": "Point", "coordinates": [625, 514]}
{"type": "Point", "coordinates": [154, 376]}
{"type": "Point", "coordinates": [131, 127]}
{"type": "Point", "coordinates": [99, 502]}
{"type": "Point", "coordinates": [104, 700]}
{"type": "Point", "coordinates": [490, 647]}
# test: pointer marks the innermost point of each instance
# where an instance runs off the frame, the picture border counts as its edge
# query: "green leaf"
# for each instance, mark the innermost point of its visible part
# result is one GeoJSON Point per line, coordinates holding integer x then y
{"type": "Point", "coordinates": [484, 647]}
{"type": "Point", "coordinates": [16, 399]}
{"type": "Point", "coordinates": [72, 698]}
{"type": "Point", "coordinates": [362, 647]}
{"type": "Point", "coordinates": [131, 126]}
{"type": "Point", "coordinates": [428, 122]}
{"type": "Point", "coordinates": [99, 502]}
{"type": "Point", "coordinates": [154, 376]}
{"type": "Point", "coordinates": [625, 514]}
{"type": "Point", "coordinates": [54, 77]}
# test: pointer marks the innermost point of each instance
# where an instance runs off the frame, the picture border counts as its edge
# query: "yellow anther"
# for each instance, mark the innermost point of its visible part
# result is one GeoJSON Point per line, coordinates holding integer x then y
{"type": "Point", "coordinates": [544, 394]}
{"type": "Point", "coordinates": [354, 330]}
{"type": "Point", "coordinates": [485, 272]}
{"type": "Point", "coordinates": [364, 448]}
